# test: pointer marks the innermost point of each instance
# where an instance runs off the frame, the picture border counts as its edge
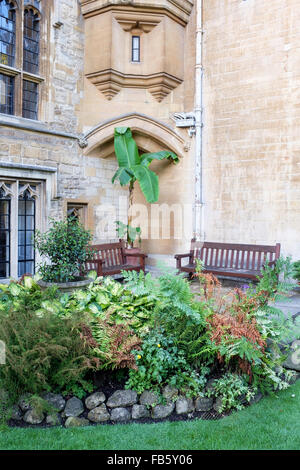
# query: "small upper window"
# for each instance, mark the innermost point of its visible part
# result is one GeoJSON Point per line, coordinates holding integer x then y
{"type": "Point", "coordinates": [7, 33]}
{"type": "Point", "coordinates": [136, 49]}
{"type": "Point", "coordinates": [31, 43]}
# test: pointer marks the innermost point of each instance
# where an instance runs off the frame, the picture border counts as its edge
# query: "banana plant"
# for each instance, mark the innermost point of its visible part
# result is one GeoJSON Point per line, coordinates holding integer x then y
{"type": "Point", "coordinates": [135, 167]}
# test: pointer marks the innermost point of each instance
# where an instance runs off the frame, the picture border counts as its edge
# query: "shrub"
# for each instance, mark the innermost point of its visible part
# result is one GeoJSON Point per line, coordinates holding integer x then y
{"type": "Point", "coordinates": [159, 363]}
{"type": "Point", "coordinates": [65, 244]}
{"type": "Point", "coordinates": [296, 270]}
{"type": "Point", "coordinates": [233, 390]}
{"type": "Point", "coordinates": [43, 353]}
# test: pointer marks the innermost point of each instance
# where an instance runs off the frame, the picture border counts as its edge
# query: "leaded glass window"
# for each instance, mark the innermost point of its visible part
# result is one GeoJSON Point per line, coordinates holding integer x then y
{"type": "Point", "coordinates": [31, 41]}
{"type": "Point", "coordinates": [30, 100]}
{"type": "Point", "coordinates": [5, 201]}
{"type": "Point", "coordinates": [6, 94]}
{"type": "Point", "coordinates": [26, 230]}
{"type": "Point", "coordinates": [7, 33]}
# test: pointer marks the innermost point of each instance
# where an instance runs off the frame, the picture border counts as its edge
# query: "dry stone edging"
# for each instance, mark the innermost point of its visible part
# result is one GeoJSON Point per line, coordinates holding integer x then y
{"type": "Point", "coordinates": [121, 407]}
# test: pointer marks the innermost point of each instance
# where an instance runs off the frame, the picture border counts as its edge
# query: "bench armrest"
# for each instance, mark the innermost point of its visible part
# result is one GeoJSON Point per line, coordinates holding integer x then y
{"type": "Point", "coordinates": [99, 265]}
{"type": "Point", "coordinates": [184, 255]}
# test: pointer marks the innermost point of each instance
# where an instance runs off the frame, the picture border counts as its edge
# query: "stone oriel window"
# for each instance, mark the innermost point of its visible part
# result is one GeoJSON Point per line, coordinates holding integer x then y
{"type": "Point", "coordinates": [20, 215]}
{"type": "Point", "coordinates": [20, 36]}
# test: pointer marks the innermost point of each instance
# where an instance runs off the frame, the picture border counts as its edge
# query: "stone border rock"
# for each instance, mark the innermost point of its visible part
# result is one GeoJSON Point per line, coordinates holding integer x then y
{"type": "Point", "coordinates": [123, 406]}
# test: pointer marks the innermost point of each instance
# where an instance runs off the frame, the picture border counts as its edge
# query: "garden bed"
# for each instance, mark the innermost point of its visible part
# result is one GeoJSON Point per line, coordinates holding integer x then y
{"type": "Point", "coordinates": [145, 350]}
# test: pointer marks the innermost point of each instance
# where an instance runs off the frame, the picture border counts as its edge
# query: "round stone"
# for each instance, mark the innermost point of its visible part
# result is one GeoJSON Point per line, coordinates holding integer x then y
{"type": "Point", "coordinates": [99, 414]}
{"type": "Point", "coordinates": [120, 415]}
{"type": "Point", "coordinates": [184, 405]}
{"type": "Point", "coordinates": [122, 398]}
{"type": "Point", "coordinates": [55, 400]}
{"type": "Point", "coordinates": [162, 411]}
{"type": "Point", "coordinates": [94, 400]}
{"type": "Point", "coordinates": [74, 407]}
{"type": "Point", "coordinates": [53, 419]}
{"type": "Point", "coordinates": [149, 398]}
{"type": "Point", "coordinates": [33, 417]}
{"type": "Point", "coordinates": [170, 392]}
{"type": "Point", "coordinates": [74, 421]}
{"type": "Point", "coordinates": [140, 411]}
{"type": "Point", "coordinates": [203, 404]}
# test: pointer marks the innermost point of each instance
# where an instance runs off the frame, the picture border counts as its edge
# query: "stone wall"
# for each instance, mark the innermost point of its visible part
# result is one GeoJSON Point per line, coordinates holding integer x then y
{"type": "Point", "coordinates": [252, 117]}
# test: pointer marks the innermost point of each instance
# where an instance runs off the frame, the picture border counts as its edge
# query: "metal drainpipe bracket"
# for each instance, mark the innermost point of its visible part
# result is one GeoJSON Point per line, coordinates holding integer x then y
{"type": "Point", "coordinates": [185, 120]}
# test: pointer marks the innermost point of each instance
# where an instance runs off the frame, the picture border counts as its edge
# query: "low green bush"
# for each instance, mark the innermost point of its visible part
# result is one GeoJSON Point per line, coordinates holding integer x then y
{"type": "Point", "coordinates": [65, 245]}
{"type": "Point", "coordinates": [43, 351]}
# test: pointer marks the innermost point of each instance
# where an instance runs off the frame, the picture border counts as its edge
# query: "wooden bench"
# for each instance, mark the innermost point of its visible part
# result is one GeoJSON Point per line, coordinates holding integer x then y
{"type": "Point", "coordinates": [229, 259]}
{"type": "Point", "coordinates": [110, 259]}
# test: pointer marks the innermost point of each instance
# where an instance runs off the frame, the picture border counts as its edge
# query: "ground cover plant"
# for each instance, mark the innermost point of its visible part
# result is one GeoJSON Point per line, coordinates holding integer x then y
{"type": "Point", "coordinates": [155, 330]}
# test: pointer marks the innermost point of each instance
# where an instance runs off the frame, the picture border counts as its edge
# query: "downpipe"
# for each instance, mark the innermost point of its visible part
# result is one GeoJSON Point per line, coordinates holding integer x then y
{"type": "Point", "coordinates": [199, 203]}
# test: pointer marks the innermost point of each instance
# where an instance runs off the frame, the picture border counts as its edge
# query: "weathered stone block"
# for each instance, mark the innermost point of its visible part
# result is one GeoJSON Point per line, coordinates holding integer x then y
{"type": "Point", "coordinates": [99, 414]}
{"type": "Point", "coordinates": [203, 404]}
{"type": "Point", "coordinates": [140, 411]}
{"type": "Point", "coordinates": [74, 421]}
{"type": "Point", "coordinates": [162, 411]}
{"type": "Point", "coordinates": [74, 407]}
{"type": "Point", "coordinates": [120, 414]}
{"type": "Point", "coordinates": [122, 398]}
{"type": "Point", "coordinates": [149, 398]}
{"type": "Point", "coordinates": [184, 405]}
{"type": "Point", "coordinates": [94, 400]}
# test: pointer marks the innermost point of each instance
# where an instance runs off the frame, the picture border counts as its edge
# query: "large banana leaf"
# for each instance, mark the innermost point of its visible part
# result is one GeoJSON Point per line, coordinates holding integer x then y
{"type": "Point", "coordinates": [146, 158]}
{"type": "Point", "coordinates": [125, 148]}
{"type": "Point", "coordinates": [148, 182]}
{"type": "Point", "coordinates": [134, 167]}
{"type": "Point", "coordinates": [123, 175]}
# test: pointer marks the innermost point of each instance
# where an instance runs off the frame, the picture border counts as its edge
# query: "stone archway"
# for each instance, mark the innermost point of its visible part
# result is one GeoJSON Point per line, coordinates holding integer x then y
{"type": "Point", "coordinates": [151, 135]}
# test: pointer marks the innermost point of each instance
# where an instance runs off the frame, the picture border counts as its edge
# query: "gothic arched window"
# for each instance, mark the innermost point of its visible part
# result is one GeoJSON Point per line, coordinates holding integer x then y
{"type": "Point", "coordinates": [7, 32]}
{"type": "Point", "coordinates": [31, 40]}
{"type": "Point", "coordinates": [20, 34]}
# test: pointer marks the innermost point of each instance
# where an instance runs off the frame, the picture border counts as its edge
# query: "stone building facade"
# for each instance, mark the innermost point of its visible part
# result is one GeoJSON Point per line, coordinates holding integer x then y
{"type": "Point", "coordinates": [214, 81]}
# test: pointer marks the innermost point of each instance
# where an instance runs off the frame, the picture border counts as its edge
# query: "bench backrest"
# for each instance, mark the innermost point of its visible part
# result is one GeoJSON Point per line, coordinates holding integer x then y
{"type": "Point", "coordinates": [111, 253]}
{"type": "Point", "coordinates": [236, 256]}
